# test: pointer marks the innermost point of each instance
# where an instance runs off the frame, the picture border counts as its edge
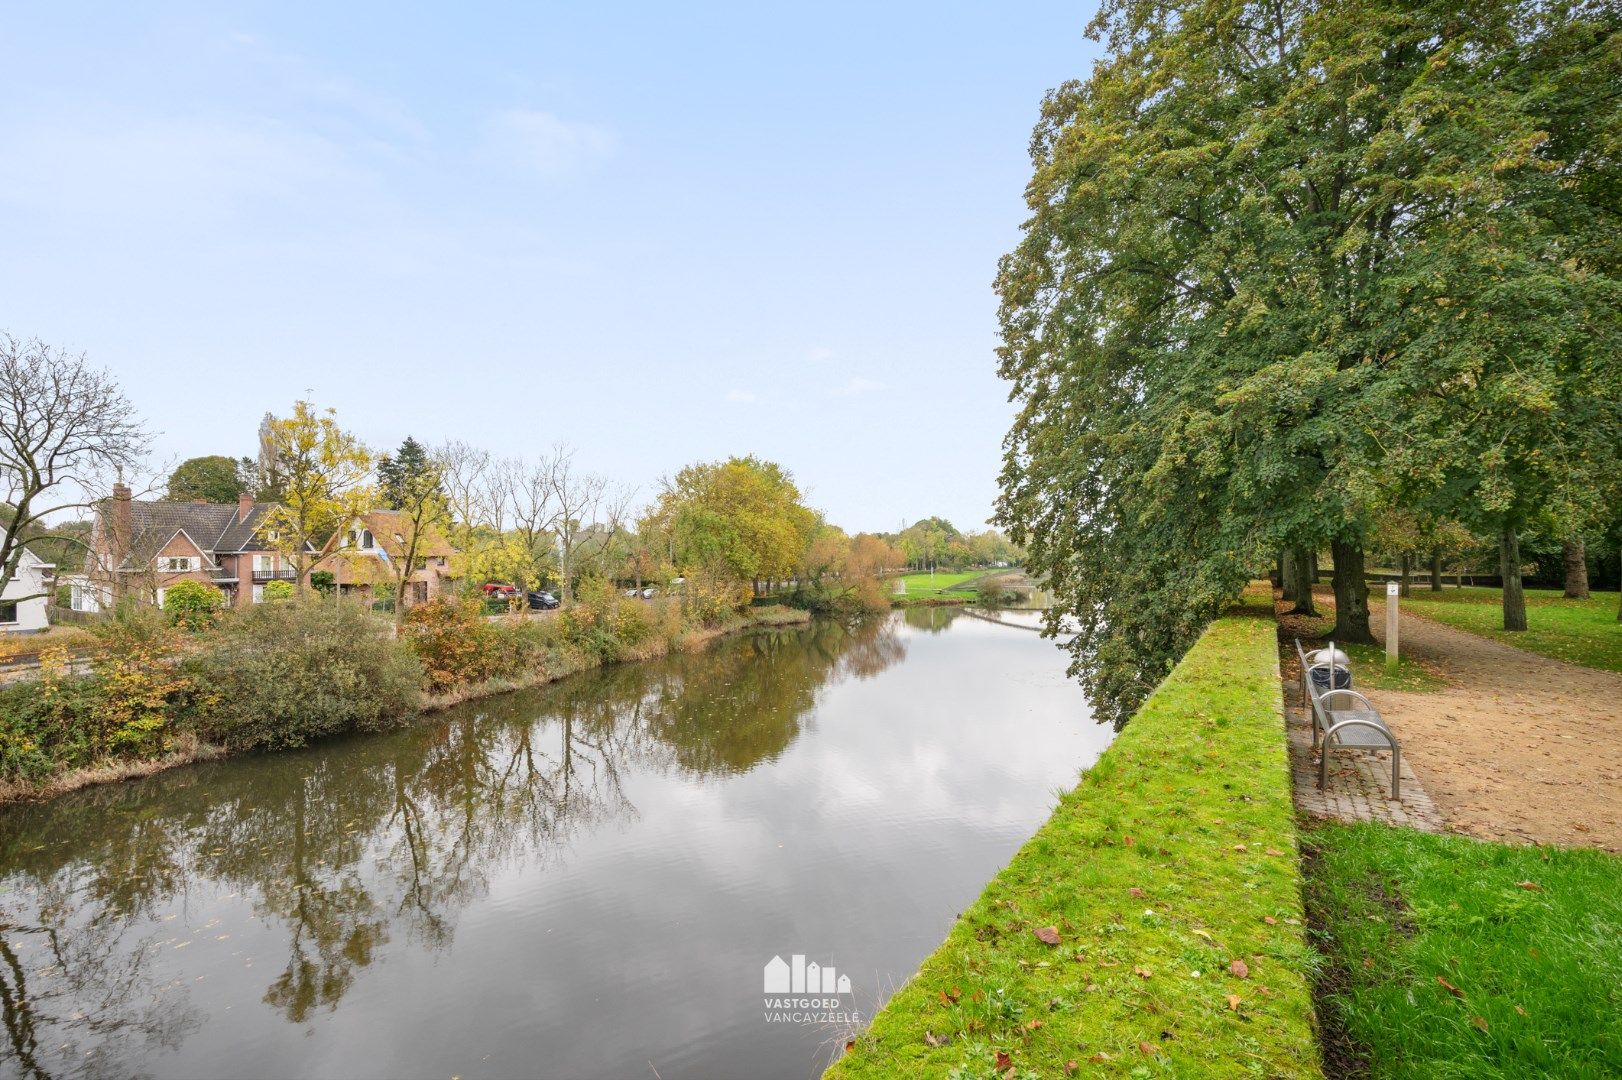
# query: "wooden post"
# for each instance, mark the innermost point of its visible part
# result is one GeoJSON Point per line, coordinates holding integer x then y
{"type": "Point", "coordinates": [1391, 589]}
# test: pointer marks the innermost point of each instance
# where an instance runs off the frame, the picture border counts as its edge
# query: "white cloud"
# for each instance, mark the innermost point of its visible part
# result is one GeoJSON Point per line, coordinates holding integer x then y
{"type": "Point", "coordinates": [857, 387]}
{"type": "Point", "coordinates": [740, 395]}
{"type": "Point", "coordinates": [545, 144]}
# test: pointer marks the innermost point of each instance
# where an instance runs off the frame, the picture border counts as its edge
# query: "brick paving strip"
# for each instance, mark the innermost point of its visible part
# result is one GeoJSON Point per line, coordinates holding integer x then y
{"type": "Point", "coordinates": [1516, 747]}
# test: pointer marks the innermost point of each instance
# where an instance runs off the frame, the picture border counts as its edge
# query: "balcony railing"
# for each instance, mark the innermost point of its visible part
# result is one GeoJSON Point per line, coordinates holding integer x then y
{"type": "Point", "coordinates": [261, 576]}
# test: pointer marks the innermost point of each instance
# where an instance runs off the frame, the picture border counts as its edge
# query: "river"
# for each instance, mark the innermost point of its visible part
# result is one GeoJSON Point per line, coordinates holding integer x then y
{"type": "Point", "coordinates": [585, 880]}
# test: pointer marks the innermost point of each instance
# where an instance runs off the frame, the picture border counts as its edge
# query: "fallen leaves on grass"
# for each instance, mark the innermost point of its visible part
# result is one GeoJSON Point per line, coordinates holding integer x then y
{"type": "Point", "coordinates": [1143, 972]}
{"type": "Point", "coordinates": [1449, 987]}
{"type": "Point", "coordinates": [1479, 1021]}
{"type": "Point", "coordinates": [932, 1039]}
{"type": "Point", "coordinates": [1048, 935]}
{"type": "Point", "coordinates": [1233, 1002]}
{"type": "Point", "coordinates": [1240, 968]}
{"type": "Point", "coordinates": [1530, 886]}
{"type": "Point", "coordinates": [1004, 1061]}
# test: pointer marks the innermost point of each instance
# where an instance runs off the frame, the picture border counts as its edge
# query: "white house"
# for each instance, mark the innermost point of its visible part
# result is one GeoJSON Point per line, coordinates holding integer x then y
{"type": "Point", "coordinates": [35, 578]}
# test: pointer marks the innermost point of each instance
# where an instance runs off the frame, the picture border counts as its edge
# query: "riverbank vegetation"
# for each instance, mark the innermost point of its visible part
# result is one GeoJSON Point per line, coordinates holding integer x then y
{"type": "Point", "coordinates": [1154, 924]}
{"type": "Point", "coordinates": [1444, 955]}
{"type": "Point", "coordinates": [1327, 284]}
{"type": "Point", "coordinates": [279, 675]}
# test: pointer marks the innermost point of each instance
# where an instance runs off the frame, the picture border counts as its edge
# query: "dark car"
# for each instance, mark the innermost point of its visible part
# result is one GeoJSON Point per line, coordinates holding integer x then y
{"type": "Point", "coordinates": [542, 601]}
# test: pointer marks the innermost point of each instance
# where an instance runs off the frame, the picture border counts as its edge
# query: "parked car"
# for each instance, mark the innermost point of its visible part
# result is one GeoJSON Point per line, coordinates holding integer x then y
{"type": "Point", "coordinates": [496, 590]}
{"type": "Point", "coordinates": [542, 601]}
{"type": "Point", "coordinates": [649, 593]}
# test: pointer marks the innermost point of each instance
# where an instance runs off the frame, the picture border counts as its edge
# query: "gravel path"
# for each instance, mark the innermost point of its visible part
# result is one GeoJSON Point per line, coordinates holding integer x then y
{"type": "Point", "coordinates": [1517, 747]}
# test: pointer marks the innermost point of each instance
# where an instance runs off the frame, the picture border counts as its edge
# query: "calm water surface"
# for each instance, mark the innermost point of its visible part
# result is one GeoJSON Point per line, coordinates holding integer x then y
{"type": "Point", "coordinates": [581, 881]}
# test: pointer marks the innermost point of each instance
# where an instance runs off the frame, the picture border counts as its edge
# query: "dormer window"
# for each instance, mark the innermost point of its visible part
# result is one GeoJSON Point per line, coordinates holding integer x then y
{"type": "Point", "coordinates": [175, 564]}
{"type": "Point", "coordinates": [366, 539]}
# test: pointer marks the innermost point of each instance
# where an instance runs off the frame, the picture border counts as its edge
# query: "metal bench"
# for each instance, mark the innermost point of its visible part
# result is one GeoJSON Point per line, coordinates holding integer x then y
{"type": "Point", "coordinates": [1344, 720]}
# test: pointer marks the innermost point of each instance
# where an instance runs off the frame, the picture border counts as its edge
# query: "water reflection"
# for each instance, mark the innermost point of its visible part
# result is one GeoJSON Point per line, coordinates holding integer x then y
{"type": "Point", "coordinates": [167, 920]}
{"type": "Point", "coordinates": [305, 834]}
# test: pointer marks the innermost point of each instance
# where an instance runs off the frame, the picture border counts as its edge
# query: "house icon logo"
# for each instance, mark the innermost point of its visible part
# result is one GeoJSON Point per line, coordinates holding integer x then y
{"type": "Point", "coordinates": [795, 976]}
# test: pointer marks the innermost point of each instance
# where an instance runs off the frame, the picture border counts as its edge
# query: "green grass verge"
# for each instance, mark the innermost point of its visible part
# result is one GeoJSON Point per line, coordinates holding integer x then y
{"type": "Point", "coordinates": [922, 585]}
{"type": "Point", "coordinates": [1171, 879]}
{"type": "Point", "coordinates": [1580, 631]}
{"type": "Point", "coordinates": [1533, 976]}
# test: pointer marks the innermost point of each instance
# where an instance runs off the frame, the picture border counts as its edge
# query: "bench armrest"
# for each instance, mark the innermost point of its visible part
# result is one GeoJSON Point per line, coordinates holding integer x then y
{"type": "Point", "coordinates": [1381, 728]}
{"type": "Point", "coordinates": [1327, 694]}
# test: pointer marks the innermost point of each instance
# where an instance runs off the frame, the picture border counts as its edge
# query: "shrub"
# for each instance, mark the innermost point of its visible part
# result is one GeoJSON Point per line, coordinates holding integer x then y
{"type": "Point", "coordinates": [139, 694]}
{"type": "Point", "coordinates": [277, 591]}
{"type": "Point", "coordinates": [324, 582]}
{"type": "Point", "coordinates": [605, 625]}
{"type": "Point", "coordinates": [283, 674]}
{"type": "Point", "coordinates": [450, 639]}
{"type": "Point", "coordinates": [191, 605]}
{"type": "Point", "coordinates": [46, 725]}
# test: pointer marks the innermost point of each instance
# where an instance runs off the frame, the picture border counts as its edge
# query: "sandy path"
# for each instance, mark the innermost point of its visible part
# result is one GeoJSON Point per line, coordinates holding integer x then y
{"type": "Point", "coordinates": [1518, 747]}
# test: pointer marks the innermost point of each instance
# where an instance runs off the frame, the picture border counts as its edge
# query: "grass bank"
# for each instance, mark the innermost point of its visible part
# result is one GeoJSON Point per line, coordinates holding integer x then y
{"type": "Point", "coordinates": [1582, 632]}
{"type": "Point", "coordinates": [1446, 956]}
{"type": "Point", "coordinates": [940, 583]}
{"type": "Point", "coordinates": [1153, 926]}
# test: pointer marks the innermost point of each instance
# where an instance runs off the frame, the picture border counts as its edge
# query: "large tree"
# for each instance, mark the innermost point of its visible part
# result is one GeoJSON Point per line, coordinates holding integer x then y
{"type": "Point", "coordinates": [215, 479]}
{"type": "Point", "coordinates": [743, 516]}
{"type": "Point", "coordinates": [324, 473]}
{"type": "Point", "coordinates": [1233, 325]}
{"type": "Point", "coordinates": [65, 429]}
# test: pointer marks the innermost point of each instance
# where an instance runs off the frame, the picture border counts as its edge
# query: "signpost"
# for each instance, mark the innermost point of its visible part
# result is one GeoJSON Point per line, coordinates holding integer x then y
{"type": "Point", "coordinates": [1391, 589]}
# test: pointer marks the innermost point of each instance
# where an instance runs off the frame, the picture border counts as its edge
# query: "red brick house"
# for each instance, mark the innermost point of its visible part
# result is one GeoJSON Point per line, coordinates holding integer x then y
{"type": "Point", "coordinates": [139, 547]}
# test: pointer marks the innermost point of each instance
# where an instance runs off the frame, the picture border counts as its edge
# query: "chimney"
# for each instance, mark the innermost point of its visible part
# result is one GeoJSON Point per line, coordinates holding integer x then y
{"type": "Point", "coordinates": [122, 527]}
{"type": "Point", "coordinates": [244, 507]}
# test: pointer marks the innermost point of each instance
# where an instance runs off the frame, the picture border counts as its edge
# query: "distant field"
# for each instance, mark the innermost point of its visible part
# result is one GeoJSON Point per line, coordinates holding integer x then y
{"type": "Point", "coordinates": [937, 584]}
{"type": "Point", "coordinates": [1580, 631]}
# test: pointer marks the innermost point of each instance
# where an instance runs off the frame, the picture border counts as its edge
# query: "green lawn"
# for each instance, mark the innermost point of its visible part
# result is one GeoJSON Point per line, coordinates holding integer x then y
{"type": "Point", "coordinates": [1582, 631]}
{"type": "Point", "coordinates": [1451, 957]}
{"type": "Point", "coordinates": [1153, 926]}
{"type": "Point", "coordinates": [942, 583]}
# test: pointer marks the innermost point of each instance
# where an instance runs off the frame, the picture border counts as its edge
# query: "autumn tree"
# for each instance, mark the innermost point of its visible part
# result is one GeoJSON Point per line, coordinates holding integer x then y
{"type": "Point", "coordinates": [324, 471]}
{"type": "Point", "coordinates": [743, 515]}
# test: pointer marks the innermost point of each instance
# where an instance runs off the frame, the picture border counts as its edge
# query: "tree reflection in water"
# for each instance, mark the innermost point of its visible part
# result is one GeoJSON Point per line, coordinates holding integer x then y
{"type": "Point", "coordinates": [355, 843]}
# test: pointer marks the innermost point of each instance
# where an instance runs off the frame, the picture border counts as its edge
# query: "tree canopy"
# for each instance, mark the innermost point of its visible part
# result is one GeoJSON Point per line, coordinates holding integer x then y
{"type": "Point", "coordinates": [743, 514]}
{"type": "Point", "coordinates": [215, 479]}
{"type": "Point", "coordinates": [1288, 265]}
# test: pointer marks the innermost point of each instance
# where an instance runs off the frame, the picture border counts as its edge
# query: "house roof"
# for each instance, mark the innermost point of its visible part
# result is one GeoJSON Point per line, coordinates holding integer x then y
{"type": "Point", "coordinates": [389, 528]}
{"type": "Point", "coordinates": [213, 527]}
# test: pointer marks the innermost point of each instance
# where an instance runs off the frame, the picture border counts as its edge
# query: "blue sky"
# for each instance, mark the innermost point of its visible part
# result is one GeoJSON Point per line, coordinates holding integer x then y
{"type": "Point", "coordinates": [660, 233]}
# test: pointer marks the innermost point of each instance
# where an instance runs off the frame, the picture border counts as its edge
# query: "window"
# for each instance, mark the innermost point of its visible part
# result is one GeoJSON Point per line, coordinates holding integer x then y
{"type": "Point", "coordinates": [350, 537]}
{"type": "Point", "coordinates": [8, 613]}
{"type": "Point", "coordinates": [259, 594]}
{"type": "Point", "coordinates": [175, 564]}
{"type": "Point", "coordinates": [366, 539]}
{"type": "Point", "coordinates": [264, 562]}
{"type": "Point", "coordinates": [440, 561]}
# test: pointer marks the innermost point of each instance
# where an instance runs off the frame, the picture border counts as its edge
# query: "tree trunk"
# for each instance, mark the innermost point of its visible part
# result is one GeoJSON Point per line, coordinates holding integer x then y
{"type": "Point", "coordinates": [1351, 595]}
{"type": "Point", "coordinates": [1289, 576]}
{"type": "Point", "coordinates": [1575, 556]}
{"type": "Point", "coordinates": [1436, 571]}
{"type": "Point", "coordinates": [1302, 558]}
{"type": "Point", "coordinates": [1312, 567]}
{"type": "Point", "coordinates": [1509, 565]}
{"type": "Point", "coordinates": [1406, 564]}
